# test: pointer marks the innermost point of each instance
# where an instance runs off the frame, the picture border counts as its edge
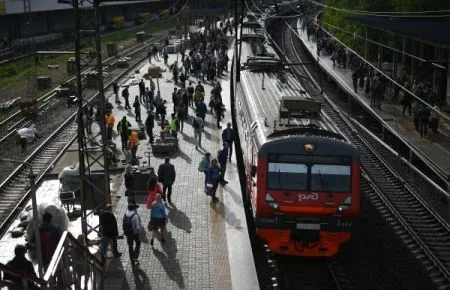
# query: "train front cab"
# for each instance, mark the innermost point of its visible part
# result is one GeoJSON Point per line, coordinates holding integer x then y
{"type": "Point", "coordinates": [307, 195]}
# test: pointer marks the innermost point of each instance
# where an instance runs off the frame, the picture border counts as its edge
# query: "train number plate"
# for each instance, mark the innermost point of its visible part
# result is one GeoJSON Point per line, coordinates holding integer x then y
{"type": "Point", "coordinates": [303, 226]}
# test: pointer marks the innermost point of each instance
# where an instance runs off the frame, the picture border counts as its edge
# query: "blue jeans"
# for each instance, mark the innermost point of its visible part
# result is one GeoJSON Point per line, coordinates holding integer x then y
{"type": "Point", "coordinates": [104, 243]}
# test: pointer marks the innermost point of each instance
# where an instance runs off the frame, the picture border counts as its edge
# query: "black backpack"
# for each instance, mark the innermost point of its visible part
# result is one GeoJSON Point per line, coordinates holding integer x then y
{"type": "Point", "coordinates": [195, 124]}
{"type": "Point", "coordinates": [128, 224]}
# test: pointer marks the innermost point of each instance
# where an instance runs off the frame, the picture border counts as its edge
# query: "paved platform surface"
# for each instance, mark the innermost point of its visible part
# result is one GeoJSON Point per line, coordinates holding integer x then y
{"type": "Point", "coordinates": [208, 245]}
{"type": "Point", "coordinates": [435, 147]}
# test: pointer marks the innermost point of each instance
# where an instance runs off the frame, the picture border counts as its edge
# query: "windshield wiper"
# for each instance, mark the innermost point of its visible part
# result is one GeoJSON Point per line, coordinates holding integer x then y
{"type": "Point", "coordinates": [323, 184]}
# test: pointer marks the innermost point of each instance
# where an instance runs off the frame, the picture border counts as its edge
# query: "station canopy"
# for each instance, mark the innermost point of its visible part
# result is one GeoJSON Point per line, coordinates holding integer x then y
{"type": "Point", "coordinates": [431, 30]}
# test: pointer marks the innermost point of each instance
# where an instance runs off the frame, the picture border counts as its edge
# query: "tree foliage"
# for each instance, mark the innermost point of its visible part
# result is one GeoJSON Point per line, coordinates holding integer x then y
{"type": "Point", "coordinates": [336, 18]}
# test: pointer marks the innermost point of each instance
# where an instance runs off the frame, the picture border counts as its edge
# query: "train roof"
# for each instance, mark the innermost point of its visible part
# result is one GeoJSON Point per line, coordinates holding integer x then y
{"type": "Point", "coordinates": [278, 104]}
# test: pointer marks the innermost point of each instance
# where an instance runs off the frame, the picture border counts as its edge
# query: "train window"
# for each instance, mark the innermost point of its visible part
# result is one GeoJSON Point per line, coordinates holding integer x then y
{"type": "Point", "coordinates": [287, 176]}
{"type": "Point", "coordinates": [331, 178]}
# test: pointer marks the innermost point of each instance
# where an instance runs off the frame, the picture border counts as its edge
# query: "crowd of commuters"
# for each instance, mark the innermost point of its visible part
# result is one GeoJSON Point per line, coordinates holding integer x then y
{"type": "Point", "coordinates": [203, 60]}
{"type": "Point", "coordinates": [366, 80]}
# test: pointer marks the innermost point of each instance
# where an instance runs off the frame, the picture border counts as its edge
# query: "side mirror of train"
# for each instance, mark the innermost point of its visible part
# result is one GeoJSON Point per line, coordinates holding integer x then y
{"type": "Point", "coordinates": [254, 170]}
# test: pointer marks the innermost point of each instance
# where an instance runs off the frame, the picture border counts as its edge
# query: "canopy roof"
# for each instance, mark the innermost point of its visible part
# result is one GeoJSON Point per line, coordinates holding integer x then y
{"type": "Point", "coordinates": [431, 30]}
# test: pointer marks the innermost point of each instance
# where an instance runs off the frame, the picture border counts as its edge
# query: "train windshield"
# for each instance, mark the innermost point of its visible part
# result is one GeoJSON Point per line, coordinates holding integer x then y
{"type": "Point", "coordinates": [288, 176]}
{"type": "Point", "coordinates": [313, 174]}
{"type": "Point", "coordinates": [335, 178]}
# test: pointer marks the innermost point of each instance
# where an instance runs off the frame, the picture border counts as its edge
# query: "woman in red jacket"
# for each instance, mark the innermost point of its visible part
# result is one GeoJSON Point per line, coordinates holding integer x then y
{"type": "Point", "coordinates": [153, 188]}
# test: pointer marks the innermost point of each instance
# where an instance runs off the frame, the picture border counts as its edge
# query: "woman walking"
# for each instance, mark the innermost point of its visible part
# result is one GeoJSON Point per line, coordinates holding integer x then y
{"type": "Point", "coordinates": [153, 188]}
{"type": "Point", "coordinates": [158, 219]}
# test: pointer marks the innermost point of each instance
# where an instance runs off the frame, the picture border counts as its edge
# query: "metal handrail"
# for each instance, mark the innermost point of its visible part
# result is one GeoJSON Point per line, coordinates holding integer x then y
{"type": "Point", "coordinates": [61, 262]}
{"type": "Point", "coordinates": [19, 274]}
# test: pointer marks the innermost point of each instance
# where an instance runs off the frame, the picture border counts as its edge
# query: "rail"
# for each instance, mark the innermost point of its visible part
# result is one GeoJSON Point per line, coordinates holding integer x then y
{"type": "Point", "coordinates": [383, 185]}
{"type": "Point", "coordinates": [70, 262]}
{"type": "Point", "coordinates": [5, 222]}
{"type": "Point", "coordinates": [439, 172]}
{"type": "Point", "coordinates": [424, 158]}
{"type": "Point", "coordinates": [47, 96]}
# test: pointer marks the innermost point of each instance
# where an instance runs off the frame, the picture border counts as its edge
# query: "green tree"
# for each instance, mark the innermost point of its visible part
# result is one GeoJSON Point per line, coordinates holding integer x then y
{"type": "Point", "coordinates": [332, 17]}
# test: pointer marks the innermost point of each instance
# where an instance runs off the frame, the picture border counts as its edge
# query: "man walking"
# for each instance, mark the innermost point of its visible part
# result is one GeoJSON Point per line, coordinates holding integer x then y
{"type": "Point", "coordinates": [228, 136]}
{"type": "Point", "coordinates": [131, 228]}
{"type": "Point", "coordinates": [198, 125]}
{"type": "Point", "coordinates": [108, 224]}
{"type": "Point", "coordinates": [222, 158]}
{"type": "Point", "coordinates": [167, 174]}
{"type": "Point", "coordinates": [122, 129]}
{"type": "Point", "coordinates": [116, 92]}
{"type": "Point", "coordinates": [133, 145]}
{"type": "Point", "coordinates": [126, 95]}
{"type": "Point", "coordinates": [149, 124]}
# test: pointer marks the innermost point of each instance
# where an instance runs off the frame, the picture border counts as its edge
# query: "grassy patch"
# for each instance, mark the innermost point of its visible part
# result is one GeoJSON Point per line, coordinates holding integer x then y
{"type": "Point", "coordinates": [20, 71]}
{"type": "Point", "coordinates": [148, 28]}
{"type": "Point", "coordinates": [14, 73]}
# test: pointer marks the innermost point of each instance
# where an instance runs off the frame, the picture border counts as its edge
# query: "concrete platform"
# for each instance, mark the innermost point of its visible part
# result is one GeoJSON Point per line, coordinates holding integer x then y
{"type": "Point", "coordinates": [208, 245]}
{"type": "Point", "coordinates": [434, 147]}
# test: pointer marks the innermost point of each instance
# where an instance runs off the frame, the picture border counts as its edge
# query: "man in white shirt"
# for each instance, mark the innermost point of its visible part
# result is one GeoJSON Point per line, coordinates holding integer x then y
{"type": "Point", "coordinates": [26, 136]}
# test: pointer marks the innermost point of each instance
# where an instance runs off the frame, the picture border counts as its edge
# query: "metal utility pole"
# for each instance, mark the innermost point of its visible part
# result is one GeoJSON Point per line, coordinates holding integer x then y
{"type": "Point", "coordinates": [236, 42]}
{"type": "Point", "coordinates": [89, 29]}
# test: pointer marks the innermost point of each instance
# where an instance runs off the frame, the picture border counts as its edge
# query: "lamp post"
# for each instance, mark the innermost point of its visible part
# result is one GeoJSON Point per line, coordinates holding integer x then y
{"type": "Point", "coordinates": [35, 221]}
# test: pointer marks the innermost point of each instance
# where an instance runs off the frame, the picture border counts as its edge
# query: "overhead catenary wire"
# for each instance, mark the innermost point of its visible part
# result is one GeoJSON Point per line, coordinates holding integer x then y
{"type": "Point", "coordinates": [434, 63]}
{"type": "Point", "coordinates": [382, 73]}
{"type": "Point", "coordinates": [414, 14]}
{"type": "Point", "coordinates": [359, 56]}
{"type": "Point", "coordinates": [384, 45]}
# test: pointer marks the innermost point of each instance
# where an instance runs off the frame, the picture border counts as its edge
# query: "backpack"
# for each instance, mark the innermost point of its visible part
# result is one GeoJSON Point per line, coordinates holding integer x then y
{"type": "Point", "coordinates": [128, 224]}
{"type": "Point", "coordinates": [195, 124]}
{"type": "Point", "coordinates": [202, 166]}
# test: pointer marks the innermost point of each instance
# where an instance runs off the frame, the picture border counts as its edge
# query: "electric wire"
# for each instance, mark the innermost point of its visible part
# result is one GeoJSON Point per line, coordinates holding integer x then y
{"type": "Point", "coordinates": [360, 57]}
{"type": "Point", "coordinates": [383, 45]}
{"type": "Point", "coordinates": [381, 72]}
{"type": "Point", "coordinates": [400, 14]}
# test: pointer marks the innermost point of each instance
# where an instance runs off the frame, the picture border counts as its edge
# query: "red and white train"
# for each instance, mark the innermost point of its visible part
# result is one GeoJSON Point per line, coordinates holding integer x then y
{"type": "Point", "coordinates": [302, 175]}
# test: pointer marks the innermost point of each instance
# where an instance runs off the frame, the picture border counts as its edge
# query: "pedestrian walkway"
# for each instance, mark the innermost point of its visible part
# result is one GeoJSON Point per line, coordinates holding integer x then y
{"type": "Point", "coordinates": [434, 147]}
{"type": "Point", "coordinates": [208, 245]}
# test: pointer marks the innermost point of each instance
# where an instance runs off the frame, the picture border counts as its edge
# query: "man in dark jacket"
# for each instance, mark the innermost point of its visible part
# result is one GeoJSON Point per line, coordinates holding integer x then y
{"type": "Point", "coordinates": [222, 156]}
{"type": "Point", "coordinates": [108, 224]}
{"type": "Point", "coordinates": [228, 136]}
{"type": "Point", "coordinates": [21, 263]}
{"type": "Point", "coordinates": [167, 174]}
{"type": "Point", "coordinates": [149, 124]}
{"type": "Point", "coordinates": [122, 129]}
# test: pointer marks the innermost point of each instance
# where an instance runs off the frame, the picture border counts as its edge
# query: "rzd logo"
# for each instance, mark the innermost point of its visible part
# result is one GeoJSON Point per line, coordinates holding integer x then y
{"type": "Point", "coordinates": [310, 196]}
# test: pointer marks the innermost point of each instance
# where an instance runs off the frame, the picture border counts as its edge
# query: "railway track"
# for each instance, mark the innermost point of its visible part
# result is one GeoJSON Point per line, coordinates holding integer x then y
{"type": "Point", "coordinates": [420, 227]}
{"type": "Point", "coordinates": [14, 191]}
{"type": "Point", "coordinates": [311, 274]}
{"type": "Point", "coordinates": [16, 120]}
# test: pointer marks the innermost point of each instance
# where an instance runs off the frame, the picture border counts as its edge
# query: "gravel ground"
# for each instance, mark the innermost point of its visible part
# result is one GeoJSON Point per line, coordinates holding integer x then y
{"type": "Point", "coordinates": [376, 258]}
{"type": "Point", "coordinates": [46, 124]}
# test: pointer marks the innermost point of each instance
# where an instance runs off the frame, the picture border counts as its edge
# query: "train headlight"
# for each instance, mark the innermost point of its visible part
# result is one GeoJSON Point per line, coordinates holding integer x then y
{"type": "Point", "coordinates": [271, 202]}
{"type": "Point", "coordinates": [344, 206]}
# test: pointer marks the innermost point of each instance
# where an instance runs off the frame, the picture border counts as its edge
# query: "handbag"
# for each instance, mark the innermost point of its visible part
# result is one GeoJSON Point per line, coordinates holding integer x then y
{"type": "Point", "coordinates": [209, 188]}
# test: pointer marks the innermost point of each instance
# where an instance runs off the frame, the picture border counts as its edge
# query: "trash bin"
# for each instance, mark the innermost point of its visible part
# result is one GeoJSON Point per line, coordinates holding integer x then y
{"type": "Point", "coordinates": [112, 49]}
{"type": "Point", "coordinates": [71, 67]}
{"type": "Point", "coordinates": [140, 36]}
